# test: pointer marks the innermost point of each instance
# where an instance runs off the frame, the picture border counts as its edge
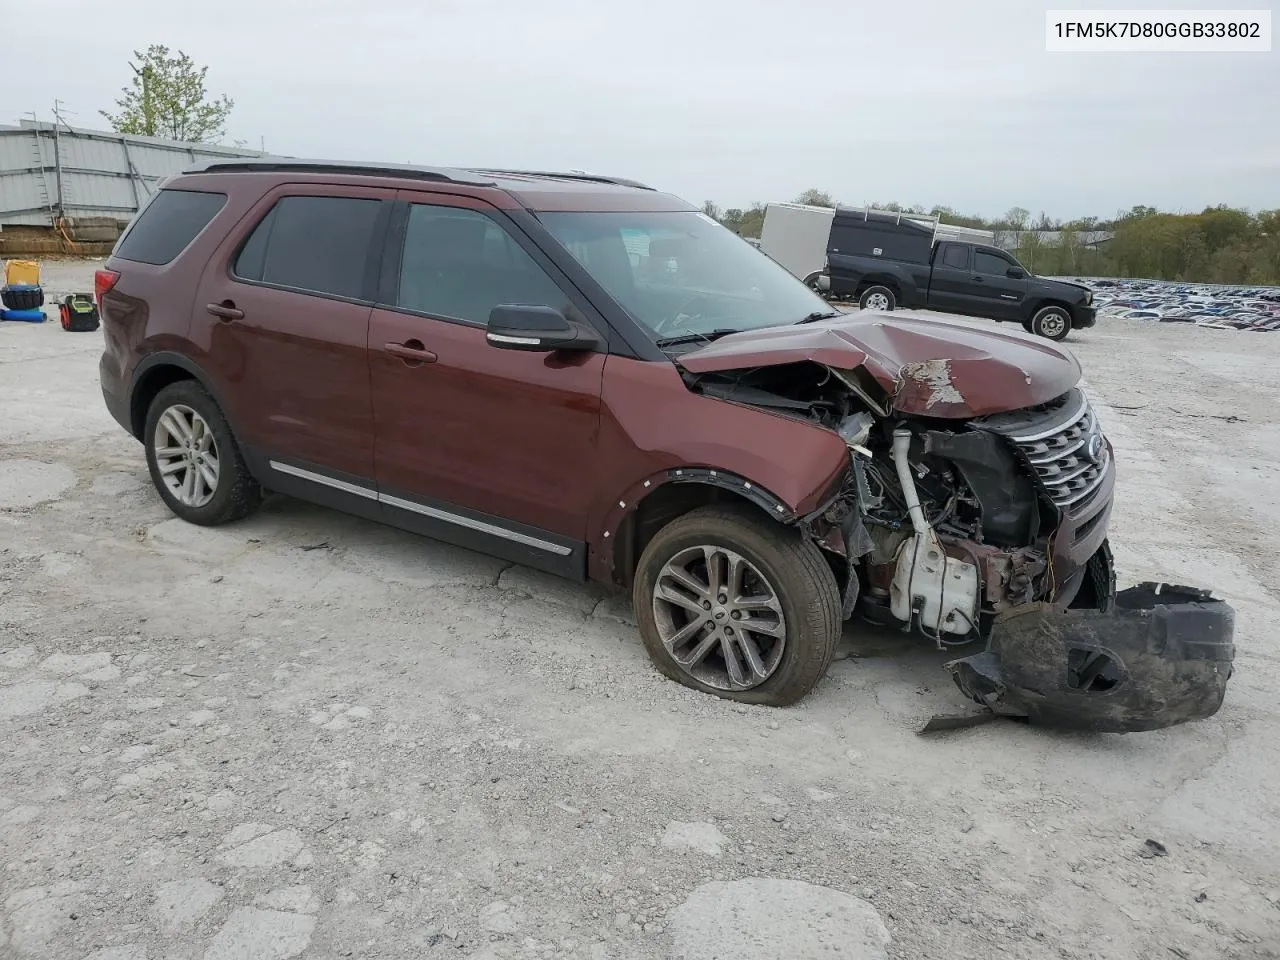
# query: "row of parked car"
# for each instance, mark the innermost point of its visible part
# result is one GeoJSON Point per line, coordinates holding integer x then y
{"type": "Point", "coordinates": [1206, 305]}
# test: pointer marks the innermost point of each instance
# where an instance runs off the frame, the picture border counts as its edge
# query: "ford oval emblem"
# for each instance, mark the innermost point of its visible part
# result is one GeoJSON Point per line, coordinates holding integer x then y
{"type": "Point", "coordinates": [1093, 449]}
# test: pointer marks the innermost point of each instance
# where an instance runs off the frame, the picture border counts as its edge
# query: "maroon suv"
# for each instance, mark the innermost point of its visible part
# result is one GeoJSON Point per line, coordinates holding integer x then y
{"type": "Point", "coordinates": [589, 377]}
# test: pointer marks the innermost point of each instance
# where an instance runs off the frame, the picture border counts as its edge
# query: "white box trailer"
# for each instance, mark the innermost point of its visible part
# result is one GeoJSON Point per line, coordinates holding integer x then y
{"type": "Point", "coordinates": [796, 234]}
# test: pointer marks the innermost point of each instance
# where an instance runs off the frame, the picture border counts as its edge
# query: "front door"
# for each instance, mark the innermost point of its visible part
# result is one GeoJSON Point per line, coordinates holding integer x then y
{"type": "Point", "coordinates": [478, 445]}
{"type": "Point", "coordinates": [1003, 294]}
{"type": "Point", "coordinates": [283, 313]}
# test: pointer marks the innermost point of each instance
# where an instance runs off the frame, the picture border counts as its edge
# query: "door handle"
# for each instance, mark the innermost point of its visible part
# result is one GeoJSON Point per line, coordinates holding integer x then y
{"type": "Point", "coordinates": [411, 352]}
{"type": "Point", "coordinates": [226, 310]}
{"type": "Point", "coordinates": [977, 280]}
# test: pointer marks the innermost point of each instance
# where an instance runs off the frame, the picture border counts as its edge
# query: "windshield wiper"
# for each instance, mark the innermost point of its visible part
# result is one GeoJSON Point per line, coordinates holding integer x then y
{"type": "Point", "coordinates": [819, 315]}
{"type": "Point", "coordinates": [696, 337]}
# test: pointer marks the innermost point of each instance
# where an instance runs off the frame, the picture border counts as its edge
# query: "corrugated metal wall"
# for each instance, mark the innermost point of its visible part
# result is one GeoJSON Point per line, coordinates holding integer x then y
{"type": "Point", "coordinates": [103, 174]}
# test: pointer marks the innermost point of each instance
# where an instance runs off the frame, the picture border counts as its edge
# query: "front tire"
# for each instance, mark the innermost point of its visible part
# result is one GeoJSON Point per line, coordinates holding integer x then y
{"type": "Point", "coordinates": [731, 603]}
{"type": "Point", "coordinates": [1052, 323]}
{"type": "Point", "coordinates": [194, 460]}
{"type": "Point", "coordinates": [878, 298]}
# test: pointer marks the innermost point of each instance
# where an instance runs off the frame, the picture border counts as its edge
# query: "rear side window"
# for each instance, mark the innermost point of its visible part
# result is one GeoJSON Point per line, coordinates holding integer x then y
{"type": "Point", "coordinates": [168, 224]}
{"type": "Point", "coordinates": [316, 244]}
{"type": "Point", "coordinates": [955, 256]}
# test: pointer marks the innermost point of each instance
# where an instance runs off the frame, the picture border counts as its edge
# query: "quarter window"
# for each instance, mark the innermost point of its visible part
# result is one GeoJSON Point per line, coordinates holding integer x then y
{"type": "Point", "coordinates": [168, 225]}
{"type": "Point", "coordinates": [460, 264]}
{"type": "Point", "coordinates": [317, 244]}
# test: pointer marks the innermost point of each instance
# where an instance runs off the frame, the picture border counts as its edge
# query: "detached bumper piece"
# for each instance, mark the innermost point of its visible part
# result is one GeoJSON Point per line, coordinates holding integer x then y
{"type": "Point", "coordinates": [1159, 656]}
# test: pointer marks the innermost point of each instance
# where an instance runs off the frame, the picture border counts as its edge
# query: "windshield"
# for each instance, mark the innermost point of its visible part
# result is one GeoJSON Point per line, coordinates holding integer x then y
{"type": "Point", "coordinates": [680, 274]}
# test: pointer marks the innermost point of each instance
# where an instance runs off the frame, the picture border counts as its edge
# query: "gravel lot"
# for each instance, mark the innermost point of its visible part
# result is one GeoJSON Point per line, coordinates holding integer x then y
{"type": "Point", "coordinates": [308, 735]}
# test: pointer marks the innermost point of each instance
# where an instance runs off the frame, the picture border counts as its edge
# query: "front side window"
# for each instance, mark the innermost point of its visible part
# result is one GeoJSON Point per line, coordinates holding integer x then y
{"type": "Point", "coordinates": [989, 263]}
{"type": "Point", "coordinates": [314, 244]}
{"type": "Point", "coordinates": [460, 264]}
{"type": "Point", "coordinates": [681, 273]}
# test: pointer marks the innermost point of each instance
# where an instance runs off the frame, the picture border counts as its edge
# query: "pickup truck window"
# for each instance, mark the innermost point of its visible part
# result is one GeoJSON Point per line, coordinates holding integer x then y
{"type": "Point", "coordinates": [990, 264]}
{"type": "Point", "coordinates": [955, 256]}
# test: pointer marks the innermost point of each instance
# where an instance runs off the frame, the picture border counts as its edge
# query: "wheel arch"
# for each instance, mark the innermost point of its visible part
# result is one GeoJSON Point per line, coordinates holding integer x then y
{"type": "Point", "coordinates": [1040, 303]}
{"type": "Point", "coordinates": [664, 497]}
{"type": "Point", "coordinates": [158, 371]}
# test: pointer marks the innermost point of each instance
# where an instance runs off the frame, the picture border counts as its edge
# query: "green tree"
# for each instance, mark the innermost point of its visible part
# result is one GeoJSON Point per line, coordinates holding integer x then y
{"type": "Point", "coordinates": [814, 197]}
{"type": "Point", "coordinates": [167, 98]}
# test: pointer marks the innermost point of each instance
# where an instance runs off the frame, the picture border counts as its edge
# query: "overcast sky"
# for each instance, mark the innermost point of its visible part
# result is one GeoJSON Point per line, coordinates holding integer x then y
{"type": "Point", "coordinates": [729, 100]}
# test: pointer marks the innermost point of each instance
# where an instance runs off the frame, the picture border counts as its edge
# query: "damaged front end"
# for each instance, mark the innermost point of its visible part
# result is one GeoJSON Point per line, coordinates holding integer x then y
{"type": "Point", "coordinates": [1160, 655]}
{"type": "Point", "coordinates": [967, 523]}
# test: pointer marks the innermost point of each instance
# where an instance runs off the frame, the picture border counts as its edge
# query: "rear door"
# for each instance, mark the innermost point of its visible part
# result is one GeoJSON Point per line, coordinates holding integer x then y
{"type": "Point", "coordinates": [283, 311]}
{"type": "Point", "coordinates": [477, 445]}
{"type": "Point", "coordinates": [951, 286]}
{"type": "Point", "coordinates": [1001, 296]}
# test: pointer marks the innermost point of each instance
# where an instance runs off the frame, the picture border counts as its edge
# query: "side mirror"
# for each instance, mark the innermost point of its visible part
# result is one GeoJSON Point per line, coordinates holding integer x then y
{"type": "Point", "coordinates": [1016, 273]}
{"type": "Point", "coordinates": [536, 329]}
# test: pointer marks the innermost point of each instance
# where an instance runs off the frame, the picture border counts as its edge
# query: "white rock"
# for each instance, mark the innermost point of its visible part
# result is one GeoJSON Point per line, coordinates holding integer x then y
{"type": "Point", "coordinates": [21, 699]}
{"type": "Point", "coordinates": [180, 903]}
{"type": "Point", "coordinates": [270, 850]}
{"type": "Point", "coordinates": [251, 934]}
{"type": "Point", "coordinates": [25, 483]}
{"type": "Point", "coordinates": [763, 919]}
{"type": "Point", "coordinates": [18, 657]}
{"type": "Point", "coordinates": [298, 899]}
{"type": "Point", "coordinates": [134, 951]}
{"type": "Point", "coordinates": [702, 837]}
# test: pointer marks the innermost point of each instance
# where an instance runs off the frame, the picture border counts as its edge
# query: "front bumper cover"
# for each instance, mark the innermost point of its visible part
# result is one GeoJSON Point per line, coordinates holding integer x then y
{"type": "Point", "coordinates": [1159, 655]}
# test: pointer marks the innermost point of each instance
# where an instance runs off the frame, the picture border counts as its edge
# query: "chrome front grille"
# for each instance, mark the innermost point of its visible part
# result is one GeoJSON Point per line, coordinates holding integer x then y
{"type": "Point", "coordinates": [1070, 457]}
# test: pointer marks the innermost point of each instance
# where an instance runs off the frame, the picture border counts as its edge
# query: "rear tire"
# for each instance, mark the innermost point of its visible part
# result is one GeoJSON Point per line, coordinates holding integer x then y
{"type": "Point", "coordinates": [1052, 323]}
{"type": "Point", "coordinates": [785, 587]}
{"type": "Point", "coordinates": [195, 463]}
{"type": "Point", "coordinates": [878, 298]}
{"type": "Point", "coordinates": [812, 280]}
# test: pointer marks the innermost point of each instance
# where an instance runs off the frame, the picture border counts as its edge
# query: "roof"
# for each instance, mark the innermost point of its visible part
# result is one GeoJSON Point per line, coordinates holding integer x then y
{"type": "Point", "coordinates": [540, 190]}
{"type": "Point", "coordinates": [478, 176]}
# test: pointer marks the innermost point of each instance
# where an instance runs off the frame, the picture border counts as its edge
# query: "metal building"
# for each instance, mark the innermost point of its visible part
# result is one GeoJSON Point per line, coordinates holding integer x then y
{"type": "Point", "coordinates": [49, 171]}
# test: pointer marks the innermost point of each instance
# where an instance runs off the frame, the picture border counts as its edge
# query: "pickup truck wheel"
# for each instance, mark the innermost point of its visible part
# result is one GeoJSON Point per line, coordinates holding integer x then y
{"type": "Point", "coordinates": [738, 606]}
{"type": "Point", "coordinates": [877, 298]}
{"type": "Point", "coordinates": [1052, 323]}
{"type": "Point", "coordinates": [812, 282]}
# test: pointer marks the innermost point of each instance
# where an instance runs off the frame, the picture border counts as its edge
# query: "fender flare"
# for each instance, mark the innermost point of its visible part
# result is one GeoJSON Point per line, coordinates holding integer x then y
{"type": "Point", "coordinates": [612, 564]}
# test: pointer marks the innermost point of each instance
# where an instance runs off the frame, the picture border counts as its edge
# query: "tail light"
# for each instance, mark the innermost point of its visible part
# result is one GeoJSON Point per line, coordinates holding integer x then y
{"type": "Point", "coordinates": [103, 281]}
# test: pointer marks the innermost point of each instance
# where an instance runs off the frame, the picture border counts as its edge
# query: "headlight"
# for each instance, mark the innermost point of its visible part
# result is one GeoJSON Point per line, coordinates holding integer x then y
{"type": "Point", "coordinates": [1088, 298]}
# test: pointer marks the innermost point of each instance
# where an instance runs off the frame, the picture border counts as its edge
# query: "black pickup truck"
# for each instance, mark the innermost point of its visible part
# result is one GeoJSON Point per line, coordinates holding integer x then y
{"type": "Point", "coordinates": [884, 261]}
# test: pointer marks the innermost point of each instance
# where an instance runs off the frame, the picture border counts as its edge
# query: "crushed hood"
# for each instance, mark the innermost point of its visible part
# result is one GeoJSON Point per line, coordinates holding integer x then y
{"type": "Point", "coordinates": [932, 368]}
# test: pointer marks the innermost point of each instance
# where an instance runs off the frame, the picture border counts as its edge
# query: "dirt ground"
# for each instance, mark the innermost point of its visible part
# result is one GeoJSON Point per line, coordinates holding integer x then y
{"type": "Point", "coordinates": [309, 735]}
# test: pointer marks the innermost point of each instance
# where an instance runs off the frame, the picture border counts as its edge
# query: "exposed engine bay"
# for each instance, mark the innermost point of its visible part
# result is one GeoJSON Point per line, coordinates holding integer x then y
{"type": "Point", "coordinates": [942, 525]}
{"type": "Point", "coordinates": [992, 529]}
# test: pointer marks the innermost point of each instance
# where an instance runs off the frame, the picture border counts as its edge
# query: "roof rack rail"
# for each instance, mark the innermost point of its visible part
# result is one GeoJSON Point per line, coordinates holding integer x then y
{"type": "Point", "coordinates": [563, 175]}
{"type": "Point", "coordinates": [249, 164]}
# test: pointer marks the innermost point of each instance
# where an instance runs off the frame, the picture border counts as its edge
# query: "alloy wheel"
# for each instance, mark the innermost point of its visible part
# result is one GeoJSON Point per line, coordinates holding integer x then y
{"type": "Point", "coordinates": [186, 456]}
{"type": "Point", "coordinates": [719, 618]}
